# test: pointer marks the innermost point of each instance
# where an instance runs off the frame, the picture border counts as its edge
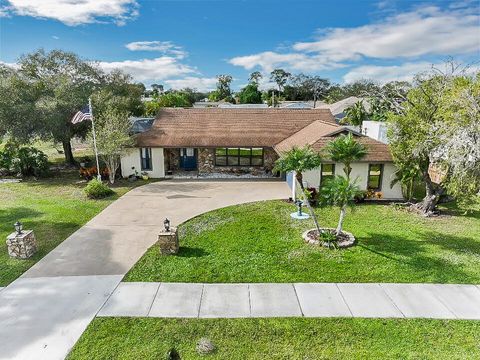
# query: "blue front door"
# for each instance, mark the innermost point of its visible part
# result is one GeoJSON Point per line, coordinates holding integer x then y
{"type": "Point", "coordinates": [188, 159]}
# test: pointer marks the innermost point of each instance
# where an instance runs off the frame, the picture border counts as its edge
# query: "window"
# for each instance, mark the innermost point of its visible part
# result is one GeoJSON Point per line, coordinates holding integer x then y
{"type": "Point", "coordinates": [146, 158]}
{"type": "Point", "coordinates": [239, 156]}
{"type": "Point", "coordinates": [327, 173]}
{"type": "Point", "coordinates": [375, 172]}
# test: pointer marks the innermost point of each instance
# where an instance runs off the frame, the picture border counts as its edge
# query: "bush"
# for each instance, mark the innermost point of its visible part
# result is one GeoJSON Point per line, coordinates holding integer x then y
{"type": "Point", "coordinates": [97, 190]}
{"type": "Point", "coordinates": [26, 161]}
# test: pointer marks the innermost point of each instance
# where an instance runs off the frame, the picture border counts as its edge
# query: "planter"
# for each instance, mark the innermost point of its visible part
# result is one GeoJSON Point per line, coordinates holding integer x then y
{"type": "Point", "coordinates": [345, 239]}
{"type": "Point", "coordinates": [145, 177]}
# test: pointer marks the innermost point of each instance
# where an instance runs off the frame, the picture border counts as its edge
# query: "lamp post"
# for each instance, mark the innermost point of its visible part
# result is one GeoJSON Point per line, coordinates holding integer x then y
{"type": "Point", "coordinates": [18, 227]}
{"type": "Point", "coordinates": [166, 224]}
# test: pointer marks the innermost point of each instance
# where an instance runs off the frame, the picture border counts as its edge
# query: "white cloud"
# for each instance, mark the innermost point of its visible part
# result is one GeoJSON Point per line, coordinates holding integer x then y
{"type": "Point", "coordinates": [55, 37]}
{"type": "Point", "coordinates": [409, 35]}
{"type": "Point", "coordinates": [160, 68]}
{"type": "Point", "coordinates": [270, 60]}
{"type": "Point", "coordinates": [12, 65]}
{"type": "Point", "coordinates": [73, 13]}
{"type": "Point", "coordinates": [384, 74]}
{"type": "Point", "coordinates": [425, 31]}
{"type": "Point", "coordinates": [201, 84]}
{"type": "Point", "coordinates": [166, 47]}
{"type": "Point", "coordinates": [402, 72]}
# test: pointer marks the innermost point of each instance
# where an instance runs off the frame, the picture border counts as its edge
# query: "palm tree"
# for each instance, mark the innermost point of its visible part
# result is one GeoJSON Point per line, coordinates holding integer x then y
{"type": "Point", "coordinates": [299, 160]}
{"type": "Point", "coordinates": [345, 149]}
{"type": "Point", "coordinates": [340, 192]}
{"type": "Point", "coordinates": [356, 114]}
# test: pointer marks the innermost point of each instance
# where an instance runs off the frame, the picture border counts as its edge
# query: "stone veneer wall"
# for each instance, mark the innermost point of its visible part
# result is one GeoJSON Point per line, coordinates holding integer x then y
{"type": "Point", "coordinates": [172, 159]}
{"type": "Point", "coordinates": [206, 163]}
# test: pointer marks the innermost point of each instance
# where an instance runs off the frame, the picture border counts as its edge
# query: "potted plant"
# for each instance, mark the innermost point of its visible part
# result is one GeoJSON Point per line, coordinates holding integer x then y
{"type": "Point", "coordinates": [145, 175]}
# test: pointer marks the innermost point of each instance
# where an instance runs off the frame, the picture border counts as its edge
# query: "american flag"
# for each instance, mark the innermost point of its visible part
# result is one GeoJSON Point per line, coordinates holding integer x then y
{"type": "Point", "coordinates": [82, 115]}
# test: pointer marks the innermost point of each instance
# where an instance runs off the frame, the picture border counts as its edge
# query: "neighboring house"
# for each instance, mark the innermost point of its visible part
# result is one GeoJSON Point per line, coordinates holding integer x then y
{"type": "Point", "coordinates": [242, 106]}
{"type": "Point", "coordinates": [297, 104]}
{"type": "Point", "coordinates": [237, 141]}
{"type": "Point", "coordinates": [338, 108]}
{"type": "Point", "coordinates": [376, 130]}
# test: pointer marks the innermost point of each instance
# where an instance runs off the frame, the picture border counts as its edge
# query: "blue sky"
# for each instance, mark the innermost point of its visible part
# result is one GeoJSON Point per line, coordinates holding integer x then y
{"type": "Point", "coordinates": [186, 43]}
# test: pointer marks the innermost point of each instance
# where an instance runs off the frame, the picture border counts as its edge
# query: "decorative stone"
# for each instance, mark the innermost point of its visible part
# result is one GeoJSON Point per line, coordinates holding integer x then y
{"type": "Point", "coordinates": [168, 241]}
{"type": "Point", "coordinates": [345, 239]}
{"type": "Point", "coordinates": [23, 245]}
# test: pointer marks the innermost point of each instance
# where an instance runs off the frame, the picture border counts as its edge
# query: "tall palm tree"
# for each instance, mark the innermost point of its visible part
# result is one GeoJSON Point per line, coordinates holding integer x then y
{"type": "Point", "coordinates": [299, 160]}
{"type": "Point", "coordinates": [345, 149]}
{"type": "Point", "coordinates": [356, 114]}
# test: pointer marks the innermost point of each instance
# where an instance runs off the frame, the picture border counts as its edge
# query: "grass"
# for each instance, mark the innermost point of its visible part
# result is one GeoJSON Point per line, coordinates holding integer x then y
{"type": "Point", "coordinates": [53, 207]}
{"type": "Point", "coordinates": [294, 338]}
{"type": "Point", "coordinates": [259, 242]}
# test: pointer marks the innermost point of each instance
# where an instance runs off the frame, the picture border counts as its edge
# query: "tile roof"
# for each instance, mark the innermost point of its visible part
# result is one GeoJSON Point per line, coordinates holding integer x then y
{"type": "Point", "coordinates": [216, 127]}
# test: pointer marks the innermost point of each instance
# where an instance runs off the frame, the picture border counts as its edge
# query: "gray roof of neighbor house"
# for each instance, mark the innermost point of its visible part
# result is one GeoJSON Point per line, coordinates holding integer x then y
{"type": "Point", "coordinates": [141, 124]}
{"type": "Point", "coordinates": [212, 127]}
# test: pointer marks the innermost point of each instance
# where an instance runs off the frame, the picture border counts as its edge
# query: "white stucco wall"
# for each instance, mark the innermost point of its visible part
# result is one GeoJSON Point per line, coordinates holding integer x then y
{"type": "Point", "coordinates": [360, 171]}
{"type": "Point", "coordinates": [376, 130]}
{"type": "Point", "coordinates": [132, 158]}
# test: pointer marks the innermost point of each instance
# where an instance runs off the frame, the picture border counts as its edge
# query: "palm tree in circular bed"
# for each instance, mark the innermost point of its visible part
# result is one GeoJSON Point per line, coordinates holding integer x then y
{"type": "Point", "coordinates": [341, 192]}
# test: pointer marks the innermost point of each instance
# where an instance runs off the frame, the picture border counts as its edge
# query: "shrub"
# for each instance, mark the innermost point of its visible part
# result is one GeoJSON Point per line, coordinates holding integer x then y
{"type": "Point", "coordinates": [26, 161]}
{"type": "Point", "coordinates": [97, 190]}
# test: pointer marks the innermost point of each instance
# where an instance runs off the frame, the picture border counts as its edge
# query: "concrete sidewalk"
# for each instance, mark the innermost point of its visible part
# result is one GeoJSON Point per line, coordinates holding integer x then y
{"type": "Point", "coordinates": [372, 300]}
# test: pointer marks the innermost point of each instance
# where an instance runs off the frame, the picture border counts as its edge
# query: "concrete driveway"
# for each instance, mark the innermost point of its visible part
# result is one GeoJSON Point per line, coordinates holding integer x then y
{"type": "Point", "coordinates": [113, 241]}
{"type": "Point", "coordinates": [43, 313]}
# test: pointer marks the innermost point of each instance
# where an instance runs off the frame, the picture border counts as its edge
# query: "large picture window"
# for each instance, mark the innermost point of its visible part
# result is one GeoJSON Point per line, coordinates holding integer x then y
{"type": "Point", "coordinates": [375, 173]}
{"type": "Point", "coordinates": [239, 156]}
{"type": "Point", "coordinates": [146, 159]}
{"type": "Point", "coordinates": [327, 173]}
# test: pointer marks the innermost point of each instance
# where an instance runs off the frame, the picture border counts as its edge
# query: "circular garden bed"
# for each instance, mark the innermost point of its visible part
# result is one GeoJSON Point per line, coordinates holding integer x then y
{"type": "Point", "coordinates": [330, 239]}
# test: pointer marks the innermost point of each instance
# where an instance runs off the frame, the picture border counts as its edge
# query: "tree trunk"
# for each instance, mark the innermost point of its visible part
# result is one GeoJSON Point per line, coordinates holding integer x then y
{"type": "Point", "coordinates": [299, 177]}
{"type": "Point", "coordinates": [428, 206]}
{"type": "Point", "coordinates": [343, 211]}
{"type": "Point", "coordinates": [67, 151]}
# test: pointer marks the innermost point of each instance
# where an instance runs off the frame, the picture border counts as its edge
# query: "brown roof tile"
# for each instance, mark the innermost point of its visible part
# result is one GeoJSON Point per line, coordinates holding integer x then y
{"type": "Point", "coordinates": [215, 127]}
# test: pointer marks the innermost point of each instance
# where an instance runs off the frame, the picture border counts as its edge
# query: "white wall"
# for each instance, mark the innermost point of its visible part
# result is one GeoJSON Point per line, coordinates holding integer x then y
{"type": "Point", "coordinates": [360, 171]}
{"type": "Point", "coordinates": [132, 158]}
{"type": "Point", "coordinates": [376, 130]}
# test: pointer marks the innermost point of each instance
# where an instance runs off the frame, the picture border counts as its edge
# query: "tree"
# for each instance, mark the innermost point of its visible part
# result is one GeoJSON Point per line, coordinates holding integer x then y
{"type": "Point", "coordinates": [255, 77]}
{"type": "Point", "coordinates": [223, 87]}
{"type": "Point", "coordinates": [299, 160]}
{"type": "Point", "coordinates": [306, 87]}
{"type": "Point", "coordinates": [345, 149]}
{"type": "Point", "coordinates": [112, 130]}
{"type": "Point", "coordinates": [18, 99]}
{"type": "Point", "coordinates": [250, 94]}
{"type": "Point", "coordinates": [66, 82]}
{"type": "Point", "coordinates": [174, 99]}
{"type": "Point", "coordinates": [355, 114]}
{"type": "Point", "coordinates": [436, 128]}
{"type": "Point", "coordinates": [280, 77]}
{"type": "Point", "coordinates": [341, 192]}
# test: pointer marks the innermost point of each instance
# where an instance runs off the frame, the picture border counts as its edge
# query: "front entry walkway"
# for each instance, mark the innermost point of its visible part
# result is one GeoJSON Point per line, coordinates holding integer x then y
{"type": "Point", "coordinates": [439, 301]}
{"type": "Point", "coordinates": [43, 313]}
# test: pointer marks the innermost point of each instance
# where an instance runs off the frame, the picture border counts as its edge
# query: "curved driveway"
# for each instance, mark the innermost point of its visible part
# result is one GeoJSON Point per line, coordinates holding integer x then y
{"type": "Point", "coordinates": [115, 239]}
{"type": "Point", "coordinates": [44, 312]}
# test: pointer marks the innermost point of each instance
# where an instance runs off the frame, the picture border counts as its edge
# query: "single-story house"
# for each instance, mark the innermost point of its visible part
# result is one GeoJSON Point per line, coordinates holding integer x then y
{"type": "Point", "coordinates": [238, 141]}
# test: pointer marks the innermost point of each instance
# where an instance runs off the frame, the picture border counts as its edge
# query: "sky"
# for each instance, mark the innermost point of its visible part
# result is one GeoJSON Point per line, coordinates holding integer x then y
{"type": "Point", "coordinates": [186, 43]}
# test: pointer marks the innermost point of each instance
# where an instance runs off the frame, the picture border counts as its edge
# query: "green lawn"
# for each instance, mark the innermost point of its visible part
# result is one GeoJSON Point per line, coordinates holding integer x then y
{"type": "Point", "coordinates": [259, 242]}
{"type": "Point", "coordinates": [294, 338]}
{"type": "Point", "coordinates": [54, 208]}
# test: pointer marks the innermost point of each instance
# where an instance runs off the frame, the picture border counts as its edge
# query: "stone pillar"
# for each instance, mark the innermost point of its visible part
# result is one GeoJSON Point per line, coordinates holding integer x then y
{"type": "Point", "coordinates": [168, 241]}
{"type": "Point", "coordinates": [21, 246]}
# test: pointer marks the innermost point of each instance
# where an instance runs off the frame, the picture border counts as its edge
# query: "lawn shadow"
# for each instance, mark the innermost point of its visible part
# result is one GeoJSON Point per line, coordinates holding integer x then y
{"type": "Point", "coordinates": [13, 214]}
{"type": "Point", "coordinates": [191, 252]}
{"type": "Point", "coordinates": [421, 255]}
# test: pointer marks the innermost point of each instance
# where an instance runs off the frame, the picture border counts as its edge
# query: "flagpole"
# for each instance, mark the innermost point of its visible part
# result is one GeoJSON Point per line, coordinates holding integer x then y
{"type": "Point", "coordinates": [99, 176]}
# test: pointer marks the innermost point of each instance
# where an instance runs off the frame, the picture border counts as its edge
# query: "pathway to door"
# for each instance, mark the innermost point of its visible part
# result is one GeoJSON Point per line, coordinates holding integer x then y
{"type": "Point", "coordinates": [43, 313]}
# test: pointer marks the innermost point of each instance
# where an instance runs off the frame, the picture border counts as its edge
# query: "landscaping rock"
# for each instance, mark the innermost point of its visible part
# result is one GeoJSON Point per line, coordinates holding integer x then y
{"type": "Point", "coordinates": [168, 241]}
{"type": "Point", "coordinates": [22, 246]}
{"type": "Point", "coordinates": [345, 239]}
{"type": "Point", "coordinates": [205, 346]}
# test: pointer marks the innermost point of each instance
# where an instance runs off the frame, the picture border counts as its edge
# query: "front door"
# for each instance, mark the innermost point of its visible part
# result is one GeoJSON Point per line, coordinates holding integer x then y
{"type": "Point", "coordinates": [188, 159]}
